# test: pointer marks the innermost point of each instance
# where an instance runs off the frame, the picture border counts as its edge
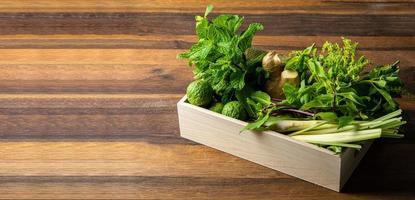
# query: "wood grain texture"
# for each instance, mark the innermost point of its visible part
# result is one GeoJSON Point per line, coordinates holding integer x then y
{"type": "Point", "coordinates": [88, 92]}
{"type": "Point", "coordinates": [304, 24]}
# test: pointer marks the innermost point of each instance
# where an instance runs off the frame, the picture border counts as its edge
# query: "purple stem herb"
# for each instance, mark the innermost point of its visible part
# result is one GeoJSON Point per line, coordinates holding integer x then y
{"type": "Point", "coordinates": [296, 111]}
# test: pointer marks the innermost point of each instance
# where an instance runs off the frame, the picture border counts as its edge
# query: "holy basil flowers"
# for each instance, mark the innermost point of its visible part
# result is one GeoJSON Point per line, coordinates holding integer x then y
{"type": "Point", "coordinates": [334, 81]}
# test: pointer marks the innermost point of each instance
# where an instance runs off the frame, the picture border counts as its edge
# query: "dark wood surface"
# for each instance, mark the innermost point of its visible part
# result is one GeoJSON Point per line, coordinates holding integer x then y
{"type": "Point", "coordinates": [88, 92]}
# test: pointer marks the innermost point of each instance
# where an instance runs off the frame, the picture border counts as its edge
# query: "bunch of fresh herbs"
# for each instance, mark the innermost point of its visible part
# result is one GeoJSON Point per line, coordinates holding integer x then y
{"type": "Point", "coordinates": [336, 93]}
{"type": "Point", "coordinates": [333, 81]}
{"type": "Point", "coordinates": [218, 58]}
{"type": "Point", "coordinates": [338, 103]}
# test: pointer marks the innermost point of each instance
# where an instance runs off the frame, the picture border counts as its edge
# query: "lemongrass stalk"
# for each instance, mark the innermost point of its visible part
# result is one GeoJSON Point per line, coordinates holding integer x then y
{"type": "Point", "coordinates": [389, 131]}
{"type": "Point", "coordinates": [389, 123]}
{"type": "Point", "coordinates": [393, 125]}
{"type": "Point", "coordinates": [309, 128]}
{"type": "Point", "coordinates": [329, 130]}
{"type": "Point", "coordinates": [341, 137]}
{"type": "Point", "coordinates": [398, 119]}
{"type": "Point", "coordinates": [355, 146]}
{"type": "Point", "coordinates": [390, 115]}
{"type": "Point", "coordinates": [292, 125]}
{"type": "Point", "coordinates": [392, 135]}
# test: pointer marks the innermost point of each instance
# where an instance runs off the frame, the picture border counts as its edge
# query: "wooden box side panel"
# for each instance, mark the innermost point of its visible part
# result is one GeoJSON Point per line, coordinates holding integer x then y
{"type": "Point", "coordinates": [264, 148]}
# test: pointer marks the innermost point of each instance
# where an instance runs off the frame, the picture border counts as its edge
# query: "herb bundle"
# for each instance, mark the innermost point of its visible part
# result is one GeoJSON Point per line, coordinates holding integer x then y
{"type": "Point", "coordinates": [333, 80]}
{"type": "Point", "coordinates": [336, 94]}
{"type": "Point", "coordinates": [218, 58]}
{"type": "Point", "coordinates": [326, 96]}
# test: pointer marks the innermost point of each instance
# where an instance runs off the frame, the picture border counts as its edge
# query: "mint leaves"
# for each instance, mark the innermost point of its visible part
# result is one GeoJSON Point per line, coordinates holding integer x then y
{"type": "Point", "coordinates": [218, 58]}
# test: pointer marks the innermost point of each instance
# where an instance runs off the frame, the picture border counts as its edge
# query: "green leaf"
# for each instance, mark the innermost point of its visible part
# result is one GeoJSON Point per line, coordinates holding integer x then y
{"type": "Point", "coordinates": [329, 116]}
{"type": "Point", "coordinates": [257, 124]}
{"type": "Point", "coordinates": [290, 93]}
{"type": "Point", "coordinates": [255, 106]}
{"type": "Point", "coordinates": [242, 98]}
{"type": "Point", "coordinates": [261, 97]}
{"type": "Point", "coordinates": [209, 9]}
{"type": "Point", "coordinates": [345, 120]}
{"type": "Point", "coordinates": [245, 39]}
{"type": "Point", "coordinates": [237, 80]}
{"type": "Point", "coordinates": [351, 96]}
{"type": "Point", "coordinates": [220, 36]}
{"type": "Point", "coordinates": [380, 83]}
{"type": "Point", "coordinates": [322, 101]}
{"type": "Point", "coordinates": [387, 97]}
{"type": "Point", "coordinates": [335, 149]}
{"type": "Point", "coordinates": [230, 23]}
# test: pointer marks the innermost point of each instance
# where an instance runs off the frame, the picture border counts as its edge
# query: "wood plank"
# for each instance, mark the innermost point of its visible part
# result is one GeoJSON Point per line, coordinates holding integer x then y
{"type": "Point", "coordinates": [94, 78]}
{"type": "Point", "coordinates": [157, 188]}
{"type": "Point", "coordinates": [123, 70]}
{"type": "Point", "coordinates": [117, 117]}
{"type": "Point", "coordinates": [258, 7]}
{"type": "Point", "coordinates": [165, 57]}
{"type": "Point", "coordinates": [173, 188]}
{"type": "Point", "coordinates": [160, 57]}
{"type": "Point", "coordinates": [90, 41]}
{"type": "Point", "coordinates": [123, 159]}
{"type": "Point", "coordinates": [183, 24]}
{"type": "Point", "coordinates": [150, 118]}
{"type": "Point", "coordinates": [94, 72]}
{"type": "Point", "coordinates": [128, 169]}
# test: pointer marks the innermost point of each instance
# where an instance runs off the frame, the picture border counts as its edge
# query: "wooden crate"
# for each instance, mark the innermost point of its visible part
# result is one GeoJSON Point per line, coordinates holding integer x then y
{"type": "Point", "coordinates": [271, 149]}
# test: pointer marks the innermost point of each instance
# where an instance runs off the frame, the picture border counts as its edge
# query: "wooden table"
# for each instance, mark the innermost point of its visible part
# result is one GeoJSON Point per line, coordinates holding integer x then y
{"type": "Point", "coordinates": [88, 92]}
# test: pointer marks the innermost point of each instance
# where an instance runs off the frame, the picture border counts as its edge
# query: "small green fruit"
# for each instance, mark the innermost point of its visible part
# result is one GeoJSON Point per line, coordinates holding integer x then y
{"type": "Point", "coordinates": [217, 107]}
{"type": "Point", "coordinates": [199, 93]}
{"type": "Point", "coordinates": [235, 110]}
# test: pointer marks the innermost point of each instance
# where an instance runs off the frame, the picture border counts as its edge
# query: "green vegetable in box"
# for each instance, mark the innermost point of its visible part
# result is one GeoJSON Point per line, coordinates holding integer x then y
{"type": "Point", "coordinates": [199, 93]}
{"type": "Point", "coordinates": [235, 110]}
{"type": "Point", "coordinates": [326, 96]}
{"type": "Point", "coordinates": [217, 107]}
{"type": "Point", "coordinates": [223, 58]}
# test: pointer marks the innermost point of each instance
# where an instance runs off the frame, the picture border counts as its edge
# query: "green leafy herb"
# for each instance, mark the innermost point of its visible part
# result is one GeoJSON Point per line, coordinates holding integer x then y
{"type": "Point", "coordinates": [332, 80]}
{"type": "Point", "coordinates": [218, 58]}
{"type": "Point", "coordinates": [335, 86]}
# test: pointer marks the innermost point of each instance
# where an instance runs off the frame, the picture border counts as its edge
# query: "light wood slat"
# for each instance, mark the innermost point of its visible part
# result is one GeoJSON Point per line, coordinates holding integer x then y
{"type": "Point", "coordinates": [120, 72]}
{"type": "Point", "coordinates": [176, 188]}
{"type": "Point", "coordinates": [99, 117]}
{"type": "Point", "coordinates": [239, 6]}
{"type": "Point", "coordinates": [162, 57]}
{"type": "Point", "coordinates": [218, 173]}
{"type": "Point", "coordinates": [91, 56]}
{"type": "Point", "coordinates": [163, 188]}
{"type": "Point", "coordinates": [120, 64]}
{"type": "Point", "coordinates": [144, 101]}
{"type": "Point", "coordinates": [184, 41]}
{"type": "Point", "coordinates": [123, 159]}
{"type": "Point", "coordinates": [149, 101]}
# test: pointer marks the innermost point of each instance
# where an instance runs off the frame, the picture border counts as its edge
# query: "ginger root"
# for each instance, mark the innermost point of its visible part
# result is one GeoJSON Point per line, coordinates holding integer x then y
{"type": "Point", "coordinates": [274, 65]}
